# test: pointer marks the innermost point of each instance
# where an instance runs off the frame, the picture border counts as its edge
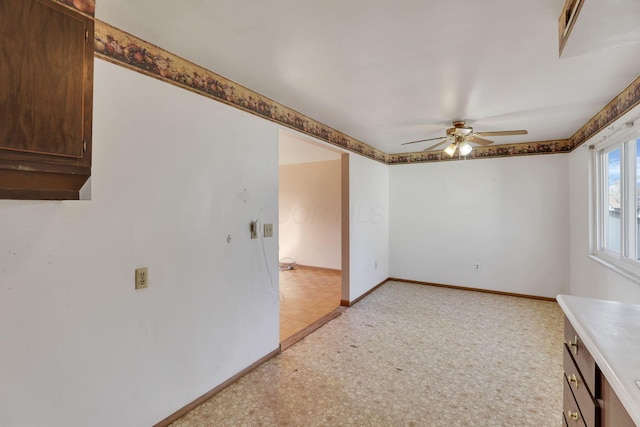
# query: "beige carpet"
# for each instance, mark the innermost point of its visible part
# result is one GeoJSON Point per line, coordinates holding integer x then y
{"type": "Point", "coordinates": [409, 355]}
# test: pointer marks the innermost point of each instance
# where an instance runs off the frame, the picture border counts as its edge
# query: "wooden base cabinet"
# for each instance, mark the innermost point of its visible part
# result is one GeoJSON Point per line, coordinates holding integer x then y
{"type": "Point", "coordinates": [589, 400]}
{"type": "Point", "coordinates": [612, 413]}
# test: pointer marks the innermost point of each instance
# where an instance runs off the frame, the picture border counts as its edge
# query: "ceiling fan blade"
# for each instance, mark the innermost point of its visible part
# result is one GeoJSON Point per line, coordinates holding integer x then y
{"type": "Point", "coordinates": [435, 145]}
{"type": "Point", "coordinates": [423, 140]}
{"type": "Point", "coordinates": [478, 140]}
{"type": "Point", "coordinates": [504, 133]}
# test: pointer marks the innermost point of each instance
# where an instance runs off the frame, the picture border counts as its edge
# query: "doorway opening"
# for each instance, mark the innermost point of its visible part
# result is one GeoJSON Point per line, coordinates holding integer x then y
{"type": "Point", "coordinates": [313, 236]}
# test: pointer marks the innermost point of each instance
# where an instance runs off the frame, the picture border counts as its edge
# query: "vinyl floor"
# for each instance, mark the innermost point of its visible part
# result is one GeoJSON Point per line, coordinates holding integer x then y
{"type": "Point", "coordinates": [409, 355]}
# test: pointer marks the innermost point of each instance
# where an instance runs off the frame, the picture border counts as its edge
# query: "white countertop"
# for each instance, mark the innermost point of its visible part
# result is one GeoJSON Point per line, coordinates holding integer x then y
{"type": "Point", "coordinates": [611, 332]}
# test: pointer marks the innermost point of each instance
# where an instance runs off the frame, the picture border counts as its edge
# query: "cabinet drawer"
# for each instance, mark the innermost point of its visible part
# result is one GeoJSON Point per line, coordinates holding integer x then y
{"type": "Point", "coordinates": [584, 361]}
{"type": "Point", "coordinates": [572, 414]}
{"type": "Point", "coordinates": [581, 394]}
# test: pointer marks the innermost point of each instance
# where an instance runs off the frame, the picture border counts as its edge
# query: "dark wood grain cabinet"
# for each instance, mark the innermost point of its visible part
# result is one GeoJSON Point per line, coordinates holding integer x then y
{"type": "Point", "coordinates": [589, 400]}
{"type": "Point", "coordinates": [46, 92]}
{"type": "Point", "coordinates": [612, 412]}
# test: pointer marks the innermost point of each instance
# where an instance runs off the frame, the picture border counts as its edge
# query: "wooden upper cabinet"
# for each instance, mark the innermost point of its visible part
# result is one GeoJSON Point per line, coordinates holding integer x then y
{"type": "Point", "coordinates": [46, 89]}
{"type": "Point", "coordinates": [588, 26]}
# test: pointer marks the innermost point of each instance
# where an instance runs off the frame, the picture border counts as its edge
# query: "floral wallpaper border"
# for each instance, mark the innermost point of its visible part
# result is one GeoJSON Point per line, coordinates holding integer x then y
{"type": "Point", "coordinates": [492, 151]}
{"type": "Point", "coordinates": [119, 47]}
{"type": "Point", "coordinates": [124, 49]}
{"type": "Point", "coordinates": [617, 107]}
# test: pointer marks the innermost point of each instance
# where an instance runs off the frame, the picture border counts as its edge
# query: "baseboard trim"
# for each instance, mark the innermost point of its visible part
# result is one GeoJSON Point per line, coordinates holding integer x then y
{"type": "Point", "coordinates": [346, 303]}
{"type": "Point", "coordinates": [313, 267]}
{"type": "Point", "coordinates": [285, 344]}
{"type": "Point", "coordinates": [313, 327]}
{"type": "Point", "coordinates": [464, 288]}
{"type": "Point", "coordinates": [199, 401]}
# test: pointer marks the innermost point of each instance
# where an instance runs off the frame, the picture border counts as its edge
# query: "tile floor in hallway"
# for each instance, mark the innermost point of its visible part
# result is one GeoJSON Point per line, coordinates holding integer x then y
{"type": "Point", "coordinates": [306, 295]}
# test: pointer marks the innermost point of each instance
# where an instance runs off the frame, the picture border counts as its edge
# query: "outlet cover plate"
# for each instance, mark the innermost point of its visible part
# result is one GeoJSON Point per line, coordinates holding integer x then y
{"type": "Point", "coordinates": [268, 230]}
{"type": "Point", "coordinates": [142, 278]}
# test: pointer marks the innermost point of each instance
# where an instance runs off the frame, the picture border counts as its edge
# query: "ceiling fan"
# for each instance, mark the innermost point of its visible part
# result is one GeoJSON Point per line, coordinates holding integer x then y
{"type": "Point", "coordinates": [459, 137]}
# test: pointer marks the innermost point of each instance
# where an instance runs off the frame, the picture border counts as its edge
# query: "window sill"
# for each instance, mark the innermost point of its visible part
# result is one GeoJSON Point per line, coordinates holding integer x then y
{"type": "Point", "coordinates": [628, 274]}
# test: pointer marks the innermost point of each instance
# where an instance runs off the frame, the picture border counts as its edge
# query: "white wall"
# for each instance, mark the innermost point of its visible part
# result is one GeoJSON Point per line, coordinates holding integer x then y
{"type": "Point", "coordinates": [80, 347]}
{"type": "Point", "coordinates": [510, 215]}
{"type": "Point", "coordinates": [588, 277]}
{"type": "Point", "coordinates": [309, 214]}
{"type": "Point", "coordinates": [368, 224]}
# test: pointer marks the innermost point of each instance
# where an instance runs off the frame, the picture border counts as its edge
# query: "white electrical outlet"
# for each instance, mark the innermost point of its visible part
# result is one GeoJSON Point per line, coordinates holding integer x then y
{"type": "Point", "coordinates": [268, 230]}
{"type": "Point", "coordinates": [477, 266]}
{"type": "Point", "coordinates": [142, 278]}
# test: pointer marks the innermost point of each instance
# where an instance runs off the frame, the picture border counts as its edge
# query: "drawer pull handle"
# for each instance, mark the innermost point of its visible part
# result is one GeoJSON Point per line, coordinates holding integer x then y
{"type": "Point", "coordinates": [573, 415]}
{"type": "Point", "coordinates": [574, 345]}
{"type": "Point", "coordinates": [574, 379]}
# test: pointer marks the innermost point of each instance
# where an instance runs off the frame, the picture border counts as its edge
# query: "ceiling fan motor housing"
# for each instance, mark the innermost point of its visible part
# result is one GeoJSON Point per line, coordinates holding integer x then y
{"type": "Point", "coordinates": [460, 134]}
{"type": "Point", "coordinates": [459, 129]}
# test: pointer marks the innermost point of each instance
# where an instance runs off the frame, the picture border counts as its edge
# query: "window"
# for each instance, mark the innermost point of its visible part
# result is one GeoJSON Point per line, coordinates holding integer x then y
{"type": "Point", "coordinates": [615, 234]}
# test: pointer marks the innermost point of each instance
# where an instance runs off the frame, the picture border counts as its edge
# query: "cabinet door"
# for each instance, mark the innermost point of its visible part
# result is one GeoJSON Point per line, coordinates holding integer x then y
{"type": "Point", "coordinates": [613, 412]}
{"type": "Point", "coordinates": [45, 82]}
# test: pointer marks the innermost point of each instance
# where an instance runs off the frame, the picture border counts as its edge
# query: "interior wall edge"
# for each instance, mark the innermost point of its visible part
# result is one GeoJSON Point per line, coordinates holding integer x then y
{"type": "Point", "coordinates": [208, 395]}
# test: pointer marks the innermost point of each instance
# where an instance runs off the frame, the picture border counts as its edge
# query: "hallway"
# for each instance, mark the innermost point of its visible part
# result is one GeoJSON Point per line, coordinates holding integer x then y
{"type": "Point", "coordinates": [306, 295]}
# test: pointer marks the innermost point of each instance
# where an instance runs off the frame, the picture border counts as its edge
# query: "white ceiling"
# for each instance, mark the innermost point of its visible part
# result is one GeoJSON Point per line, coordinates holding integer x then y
{"type": "Point", "coordinates": [387, 72]}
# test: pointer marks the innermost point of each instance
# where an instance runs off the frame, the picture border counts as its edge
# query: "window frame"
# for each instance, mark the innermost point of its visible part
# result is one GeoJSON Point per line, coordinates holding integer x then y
{"type": "Point", "coordinates": [625, 262]}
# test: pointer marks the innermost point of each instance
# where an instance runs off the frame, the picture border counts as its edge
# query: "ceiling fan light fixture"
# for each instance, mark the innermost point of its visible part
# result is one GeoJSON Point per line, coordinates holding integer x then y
{"type": "Point", "coordinates": [451, 149]}
{"type": "Point", "coordinates": [460, 136]}
{"type": "Point", "coordinates": [465, 148]}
